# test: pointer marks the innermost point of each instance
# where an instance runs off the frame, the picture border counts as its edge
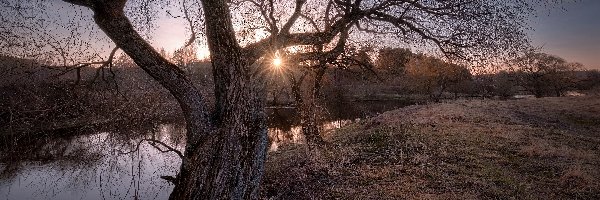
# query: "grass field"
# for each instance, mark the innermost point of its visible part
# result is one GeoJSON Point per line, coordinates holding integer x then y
{"type": "Point", "coordinates": [545, 148]}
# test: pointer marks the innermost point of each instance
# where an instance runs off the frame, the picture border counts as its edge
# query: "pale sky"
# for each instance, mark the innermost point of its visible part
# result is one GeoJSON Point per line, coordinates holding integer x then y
{"type": "Point", "coordinates": [572, 33]}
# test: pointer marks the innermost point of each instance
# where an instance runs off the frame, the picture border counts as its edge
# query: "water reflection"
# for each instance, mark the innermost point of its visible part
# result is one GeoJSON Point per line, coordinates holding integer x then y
{"type": "Point", "coordinates": [108, 163]}
{"type": "Point", "coordinates": [278, 136]}
{"type": "Point", "coordinates": [102, 168]}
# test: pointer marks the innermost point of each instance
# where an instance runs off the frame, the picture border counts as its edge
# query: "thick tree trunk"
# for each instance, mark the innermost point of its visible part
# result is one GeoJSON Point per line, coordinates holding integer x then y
{"type": "Point", "coordinates": [115, 24]}
{"type": "Point", "coordinates": [310, 123]}
{"type": "Point", "coordinates": [224, 155]}
{"type": "Point", "coordinates": [314, 116]}
{"type": "Point", "coordinates": [307, 105]}
{"type": "Point", "coordinates": [230, 164]}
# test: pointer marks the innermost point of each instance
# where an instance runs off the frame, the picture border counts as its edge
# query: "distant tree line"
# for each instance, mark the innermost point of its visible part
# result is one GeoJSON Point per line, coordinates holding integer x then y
{"type": "Point", "coordinates": [31, 93]}
{"type": "Point", "coordinates": [533, 73]}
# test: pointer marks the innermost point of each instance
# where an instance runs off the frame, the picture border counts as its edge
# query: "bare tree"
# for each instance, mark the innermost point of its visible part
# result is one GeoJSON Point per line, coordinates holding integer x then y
{"type": "Point", "coordinates": [503, 84]}
{"type": "Point", "coordinates": [226, 146]}
{"type": "Point", "coordinates": [590, 81]}
{"type": "Point", "coordinates": [306, 79]}
{"type": "Point", "coordinates": [393, 61]}
{"type": "Point", "coordinates": [434, 76]}
{"type": "Point", "coordinates": [542, 74]}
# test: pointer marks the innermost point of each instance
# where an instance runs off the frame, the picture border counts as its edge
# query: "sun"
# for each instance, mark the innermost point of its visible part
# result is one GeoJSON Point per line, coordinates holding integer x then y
{"type": "Point", "coordinates": [277, 62]}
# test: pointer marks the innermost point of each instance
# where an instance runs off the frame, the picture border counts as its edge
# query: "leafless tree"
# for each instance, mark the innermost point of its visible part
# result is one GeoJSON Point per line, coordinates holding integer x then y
{"type": "Point", "coordinates": [226, 146]}
{"type": "Point", "coordinates": [185, 57]}
{"type": "Point", "coordinates": [307, 81]}
{"type": "Point", "coordinates": [504, 84]}
{"type": "Point", "coordinates": [434, 76]}
{"type": "Point", "coordinates": [393, 60]}
{"type": "Point", "coordinates": [543, 73]}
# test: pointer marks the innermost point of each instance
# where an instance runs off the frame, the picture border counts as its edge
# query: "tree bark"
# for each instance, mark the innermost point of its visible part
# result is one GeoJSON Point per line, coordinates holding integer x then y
{"type": "Point", "coordinates": [230, 163]}
{"type": "Point", "coordinates": [116, 25]}
{"type": "Point", "coordinates": [308, 107]}
{"type": "Point", "coordinates": [314, 113]}
{"type": "Point", "coordinates": [225, 153]}
{"type": "Point", "coordinates": [310, 123]}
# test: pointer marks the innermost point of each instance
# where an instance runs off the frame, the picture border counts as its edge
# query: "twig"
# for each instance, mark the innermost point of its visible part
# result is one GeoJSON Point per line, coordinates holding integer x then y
{"type": "Point", "coordinates": [169, 148]}
{"type": "Point", "coordinates": [151, 142]}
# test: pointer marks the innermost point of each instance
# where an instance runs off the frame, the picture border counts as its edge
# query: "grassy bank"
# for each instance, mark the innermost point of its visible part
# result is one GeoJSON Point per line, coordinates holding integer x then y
{"type": "Point", "coordinates": [526, 149]}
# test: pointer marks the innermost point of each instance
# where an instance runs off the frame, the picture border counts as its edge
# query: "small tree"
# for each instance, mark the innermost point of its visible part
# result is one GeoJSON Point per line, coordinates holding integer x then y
{"type": "Point", "coordinates": [503, 84]}
{"type": "Point", "coordinates": [393, 61]}
{"type": "Point", "coordinates": [590, 80]}
{"type": "Point", "coordinates": [185, 57]}
{"type": "Point", "coordinates": [433, 76]}
{"type": "Point", "coordinates": [543, 74]}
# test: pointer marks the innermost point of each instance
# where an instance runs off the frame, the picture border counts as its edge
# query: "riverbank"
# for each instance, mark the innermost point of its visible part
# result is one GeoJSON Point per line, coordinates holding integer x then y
{"type": "Point", "coordinates": [527, 149]}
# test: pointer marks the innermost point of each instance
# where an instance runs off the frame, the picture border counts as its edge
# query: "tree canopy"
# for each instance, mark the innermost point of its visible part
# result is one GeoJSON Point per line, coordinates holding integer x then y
{"type": "Point", "coordinates": [542, 73]}
{"type": "Point", "coordinates": [460, 29]}
{"type": "Point", "coordinates": [226, 145]}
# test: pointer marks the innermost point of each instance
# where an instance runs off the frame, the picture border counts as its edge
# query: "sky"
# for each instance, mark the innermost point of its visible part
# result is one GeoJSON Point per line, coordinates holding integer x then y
{"type": "Point", "coordinates": [571, 32]}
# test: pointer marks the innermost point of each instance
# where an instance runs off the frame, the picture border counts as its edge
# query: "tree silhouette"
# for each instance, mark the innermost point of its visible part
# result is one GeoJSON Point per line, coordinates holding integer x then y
{"type": "Point", "coordinates": [543, 73]}
{"type": "Point", "coordinates": [393, 60]}
{"type": "Point", "coordinates": [434, 76]}
{"type": "Point", "coordinates": [226, 146]}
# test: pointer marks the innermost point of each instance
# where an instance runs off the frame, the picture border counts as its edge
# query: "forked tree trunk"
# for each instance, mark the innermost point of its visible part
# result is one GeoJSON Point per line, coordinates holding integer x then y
{"type": "Point", "coordinates": [229, 163]}
{"type": "Point", "coordinates": [309, 109]}
{"type": "Point", "coordinates": [310, 122]}
{"type": "Point", "coordinates": [225, 153]}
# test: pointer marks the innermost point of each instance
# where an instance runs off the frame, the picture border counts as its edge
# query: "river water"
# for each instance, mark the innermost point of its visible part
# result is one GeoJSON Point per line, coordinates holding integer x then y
{"type": "Point", "coordinates": [96, 166]}
{"type": "Point", "coordinates": [110, 165]}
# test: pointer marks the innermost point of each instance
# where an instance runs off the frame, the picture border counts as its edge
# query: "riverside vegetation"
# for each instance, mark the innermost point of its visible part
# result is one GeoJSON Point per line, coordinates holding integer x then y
{"type": "Point", "coordinates": [468, 149]}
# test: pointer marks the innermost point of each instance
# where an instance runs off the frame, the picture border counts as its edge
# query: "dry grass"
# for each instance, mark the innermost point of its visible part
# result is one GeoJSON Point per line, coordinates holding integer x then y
{"type": "Point", "coordinates": [522, 149]}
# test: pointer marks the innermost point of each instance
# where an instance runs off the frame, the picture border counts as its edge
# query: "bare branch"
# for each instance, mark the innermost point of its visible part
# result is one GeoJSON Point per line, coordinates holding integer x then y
{"type": "Point", "coordinates": [169, 148]}
{"type": "Point", "coordinates": [297, 12]}
{"type": "Point", "coordinates": [152, 143]}
{"type": "Point", "coordinates": [187, 17]}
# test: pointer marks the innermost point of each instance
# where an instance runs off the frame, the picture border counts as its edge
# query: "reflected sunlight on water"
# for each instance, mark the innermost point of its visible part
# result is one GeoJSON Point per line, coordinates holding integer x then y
{"type": "Point", "coordinates": [278, 137]}
{"type": "Point", "coordinates": [105, 165]}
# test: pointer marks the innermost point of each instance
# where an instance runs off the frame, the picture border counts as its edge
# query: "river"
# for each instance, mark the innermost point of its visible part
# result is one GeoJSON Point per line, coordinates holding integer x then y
{"type": "Point", "coordinates": [108, 164]}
